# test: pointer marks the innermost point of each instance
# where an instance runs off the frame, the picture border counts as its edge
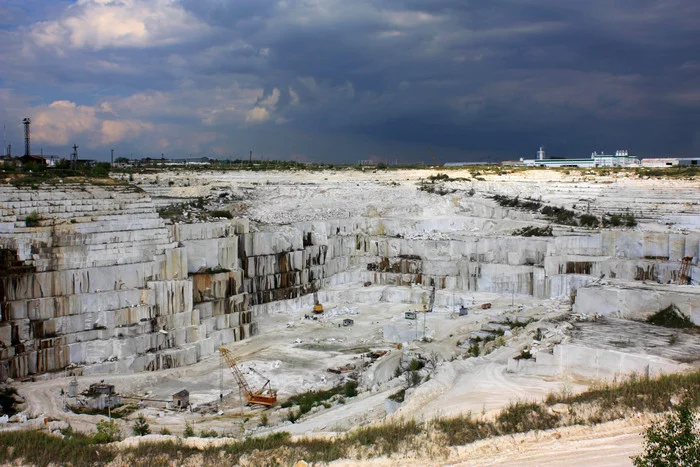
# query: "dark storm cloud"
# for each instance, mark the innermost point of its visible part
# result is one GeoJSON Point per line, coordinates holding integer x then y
{"type": "Point", "coordinates": [490, 78]}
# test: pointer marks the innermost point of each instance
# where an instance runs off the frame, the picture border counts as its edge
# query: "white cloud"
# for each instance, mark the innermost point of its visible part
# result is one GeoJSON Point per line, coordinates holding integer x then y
{"type": "Point", "coordinates": [294, 97]}
{"type": "Point", "coordinates": [113, 131]}
{"type": "Point", "coordinates": [61, 122]}
{"type": "Point", "coordinates": [257, 115]}
{"type": "Point", "coordinates": [271, 100]}
{"type": "Point", "coordinates": [99, 24]}
{"type": "Point", "coordinates": [264, 109]}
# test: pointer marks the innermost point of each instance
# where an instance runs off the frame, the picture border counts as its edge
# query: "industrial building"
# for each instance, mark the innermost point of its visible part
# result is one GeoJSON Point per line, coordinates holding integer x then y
{"type": "Point", "coordinates": [671, 162]}
{"type": "Point", "coordinates": [621, 158]}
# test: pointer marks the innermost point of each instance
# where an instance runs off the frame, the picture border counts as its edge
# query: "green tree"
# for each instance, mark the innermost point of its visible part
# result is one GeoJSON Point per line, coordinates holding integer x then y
{"type": "Point", "coordinates": [672, 441]}
{"type": "Point", "coordinates": [141, 427]}
{"type": "Point", "coordinates": [107, 431]}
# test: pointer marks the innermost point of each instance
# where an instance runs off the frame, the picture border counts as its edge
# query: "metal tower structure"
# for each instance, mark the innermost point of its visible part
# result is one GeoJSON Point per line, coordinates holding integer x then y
{"type": "Point", "coordinates": [75, 156]}
{"type": "Point", "coordinates": [27, 122]}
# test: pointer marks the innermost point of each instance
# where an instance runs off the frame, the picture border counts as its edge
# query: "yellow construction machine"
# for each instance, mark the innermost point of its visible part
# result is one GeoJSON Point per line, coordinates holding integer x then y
{"type": "Point", "coordinates": [264, 396]}
{"type": "Point", "coordinates": [318, 308]}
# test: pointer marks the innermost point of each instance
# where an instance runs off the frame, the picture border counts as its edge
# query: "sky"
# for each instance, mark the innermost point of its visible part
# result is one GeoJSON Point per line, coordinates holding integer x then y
{"type": "Point", "coordinates": [343, 81]}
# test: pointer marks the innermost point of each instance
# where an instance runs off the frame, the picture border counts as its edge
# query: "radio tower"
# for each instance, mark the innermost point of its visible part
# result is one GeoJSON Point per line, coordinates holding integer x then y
{"type": "Point", "coordinates": [26, 122]}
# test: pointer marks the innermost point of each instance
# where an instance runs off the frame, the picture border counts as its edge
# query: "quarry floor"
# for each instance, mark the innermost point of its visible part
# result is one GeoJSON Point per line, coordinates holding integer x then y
{"type": "Point", "coordinates": [295, 352]}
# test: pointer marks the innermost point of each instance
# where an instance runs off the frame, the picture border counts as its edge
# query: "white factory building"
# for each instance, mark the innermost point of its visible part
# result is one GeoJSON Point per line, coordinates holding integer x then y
{"type": "Point", "coordinates": [671, 162]}
{"type": "Point", "coordinates": [621, 158]}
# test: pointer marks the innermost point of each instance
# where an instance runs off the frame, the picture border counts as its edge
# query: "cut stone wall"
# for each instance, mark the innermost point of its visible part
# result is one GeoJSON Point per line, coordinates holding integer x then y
{"type": "Point", "coordinates": [104, 284]}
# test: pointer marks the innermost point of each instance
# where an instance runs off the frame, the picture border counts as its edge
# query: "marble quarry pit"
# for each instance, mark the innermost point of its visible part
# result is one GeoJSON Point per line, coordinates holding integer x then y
{"type": "Point", "coordinates": [103, 284]}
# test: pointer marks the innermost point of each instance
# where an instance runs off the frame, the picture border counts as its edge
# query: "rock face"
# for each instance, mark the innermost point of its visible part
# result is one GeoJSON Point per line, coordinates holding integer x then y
{"type": "Point", "coordinates": [98, 282]}
{"type": "Point", "coordinates": [102, 283]}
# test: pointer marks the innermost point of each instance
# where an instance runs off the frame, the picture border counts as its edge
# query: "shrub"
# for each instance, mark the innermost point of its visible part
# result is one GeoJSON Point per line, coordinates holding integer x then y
{"type": "Point", "coordinates": [414, 378]}
{"type": "Point", "coordinates": [208, 434]}
{"type": "Point", "coordinates": [629, 220]}
{"type": "Point", "coordinates": [107, 432]}
{"type": "Point", "coordinates": [520, 417]}
{"type": "Point", "coordinates": [164, 431]}
{"type": "Point", "coordinates": [672, 441]}
{"type": "Point", "coordinates": [398, 396]}
{"type": "Point", "coordinates": [350, 389]}
{"type": "Point", "coordinates": [670, 317]}
{"type": "Point", "coordinates": [222, 213]}
{"type": "Point", "coordinates": [474, 349]}
{"type": "Point", "coordinates": [613, 220]}
{"type": "Point", "coordinates": [532, 231]}
{"type": "Point", "coordinates": [293, 415]}
{"type": "Point", "coordinates": [438, 177]}
{"type": "Point", "coordinates": [588, 220]}
{"type": "Point", "coordinates": [415, 365]}
{"type": "Point", "coordinates": [141, 427]}
{"type": "Point", "coordinates": [307, 400]}
{"type": "Point", "coordinates": [189, 430]}
{"type": "Point", "coordinates": [264, 420]}
{"type": "Point", "coordinates": [560, 215]}
{"type": "Point", "coordinates": [32, 220]}
{"type": "Point", "coordinates": [463, 429]}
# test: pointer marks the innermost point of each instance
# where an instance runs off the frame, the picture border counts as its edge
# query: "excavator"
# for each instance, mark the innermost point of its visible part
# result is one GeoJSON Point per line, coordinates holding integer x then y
{"type": "Point", "coordinates": [318, 308]}
{"type": "Point", "coordinates": [264, 396]}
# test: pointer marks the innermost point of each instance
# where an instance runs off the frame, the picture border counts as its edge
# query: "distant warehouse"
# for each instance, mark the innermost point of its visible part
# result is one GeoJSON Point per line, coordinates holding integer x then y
{"type": "Point", "coordinates": [671, 162]}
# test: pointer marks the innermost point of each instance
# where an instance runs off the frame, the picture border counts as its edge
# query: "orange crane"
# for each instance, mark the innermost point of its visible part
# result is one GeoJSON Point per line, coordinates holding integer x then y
{"type": "Point", "coordinates": [264, 396]}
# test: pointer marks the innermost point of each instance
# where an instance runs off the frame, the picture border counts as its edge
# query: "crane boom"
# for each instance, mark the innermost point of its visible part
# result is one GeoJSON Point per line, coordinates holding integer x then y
{"type": "Point", "coordinates": [264, 396]}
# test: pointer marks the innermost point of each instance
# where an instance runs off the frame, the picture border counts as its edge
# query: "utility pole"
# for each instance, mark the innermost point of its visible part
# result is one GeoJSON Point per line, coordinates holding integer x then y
{"type": "Point", "coordinates": [112, 157]}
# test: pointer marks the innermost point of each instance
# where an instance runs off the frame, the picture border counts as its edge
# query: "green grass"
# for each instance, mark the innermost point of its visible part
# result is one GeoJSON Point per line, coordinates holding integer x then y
{"type": "Point", "coordinates": [611, 401]}
{"type": "Point", "coordinates": [463, 429]}
{"type": "Point", "coordinates": [385, 438]}
{"type": "Point", "coordinates": [41, 449]}
{"type": "Point", "coordinates": [520, 417]}
{"type": "Point", "coordinates": [639, 393]}
{"type": "Point", "coordinates": [308, 400]}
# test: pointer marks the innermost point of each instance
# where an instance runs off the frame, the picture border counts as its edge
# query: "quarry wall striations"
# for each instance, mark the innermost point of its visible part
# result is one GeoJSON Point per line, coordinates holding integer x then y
{"type": "Point", "coordinates": [100, 284]}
